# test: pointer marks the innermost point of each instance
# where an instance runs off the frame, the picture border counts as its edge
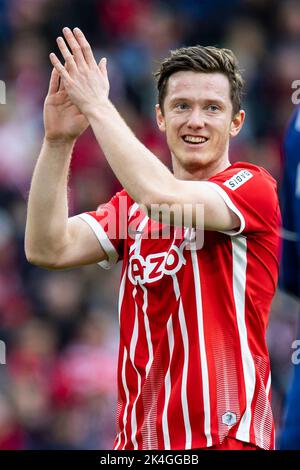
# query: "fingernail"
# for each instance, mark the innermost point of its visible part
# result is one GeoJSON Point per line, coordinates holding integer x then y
{"type": "Point", "coordinates": [66, 29]}
{"type": "Point", "coordinates": [77, 30]}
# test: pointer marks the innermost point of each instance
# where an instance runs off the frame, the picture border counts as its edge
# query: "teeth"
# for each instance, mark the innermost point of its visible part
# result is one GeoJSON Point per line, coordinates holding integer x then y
{"type": "Point", "coordinates": [195, 140]}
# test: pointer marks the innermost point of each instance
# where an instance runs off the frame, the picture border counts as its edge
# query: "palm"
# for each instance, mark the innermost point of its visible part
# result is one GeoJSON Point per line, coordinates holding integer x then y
{"type": "Point", "coordinates": [62, 119]}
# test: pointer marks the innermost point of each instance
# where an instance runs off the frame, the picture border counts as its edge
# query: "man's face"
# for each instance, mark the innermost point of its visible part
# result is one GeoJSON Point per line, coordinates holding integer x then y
{"type": "Point", "coordinates": [197, 119]}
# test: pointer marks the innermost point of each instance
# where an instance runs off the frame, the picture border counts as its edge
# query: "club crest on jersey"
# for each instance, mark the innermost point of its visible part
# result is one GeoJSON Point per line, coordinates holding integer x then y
{"type": "Point", "coordinates": [237, 180]}
{"type": "Point", "coordinates": [153, 267]}
{"type": "Point", "coordinates": [229, 418]}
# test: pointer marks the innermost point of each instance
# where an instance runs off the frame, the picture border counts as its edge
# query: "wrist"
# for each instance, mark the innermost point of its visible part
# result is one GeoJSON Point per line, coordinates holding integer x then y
{"type": "Point", "coordinates": [65, 143]}
{"type": "Point", "coordinates": [98, 109]}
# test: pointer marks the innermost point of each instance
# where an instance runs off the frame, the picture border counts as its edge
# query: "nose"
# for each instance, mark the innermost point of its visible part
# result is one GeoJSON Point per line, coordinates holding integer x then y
{"type": "Point", "coordinates": [196, 119]}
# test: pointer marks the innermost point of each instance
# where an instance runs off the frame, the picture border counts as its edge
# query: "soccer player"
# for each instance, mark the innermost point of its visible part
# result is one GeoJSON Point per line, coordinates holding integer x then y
{"type": "Point", "coordinates": [290, 265]}
{"type": "Point", "coordinates": [193, 367]}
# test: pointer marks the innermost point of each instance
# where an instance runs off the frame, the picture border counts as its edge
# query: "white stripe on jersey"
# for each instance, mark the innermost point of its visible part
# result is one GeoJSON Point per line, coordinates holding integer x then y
{"type": "Point", "coordinates": [104, 241]}
{"type": "Point", "coordinates": [231, 206]}
{"type": "Point", "coordinates": [132, 209]}
{"type": "Point", "coordinates": [149, 418]}
{"type": "Point", "coordinates": [132, 354]}
{"type": "Point", "coordinates": [121, 295]}
{"type": "Point", "coordinates": [165, 424]}
{"type": "Point", "coordinates": [137, 242]}
{"type": "Point", "coordinates": [118, 441]}
{"type": "Point", "coordinates": [239, 258]}
{"type": "Point", "coordinates": [264, 440]}
{"type": "Point", "coordinates": [147, 330]}
{"type": "Point", "coordinates": [136, 246]}
{"type": "Point", "coordinates": [264, 416]}
{"type": "Point", "coordinates": [268, 391]}
{"type": "Point", "coordinates": [268, 387]}
{"type": "Point", "coordinates": [203, 359]}
{"type": "Point", "coordinates": [127, 401]}
{"type": "Point", "coordinates": [184, 334]}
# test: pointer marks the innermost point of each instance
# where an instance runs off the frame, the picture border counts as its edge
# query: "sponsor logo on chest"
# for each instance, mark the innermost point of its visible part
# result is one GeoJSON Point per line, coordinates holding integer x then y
{"type": "Point", "coordinates": [154, 266]}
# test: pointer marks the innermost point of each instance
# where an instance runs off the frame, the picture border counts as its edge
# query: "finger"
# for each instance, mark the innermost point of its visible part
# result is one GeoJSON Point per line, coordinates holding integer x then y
{"type": "Point", "coordinates": [54, 82]}
{"type": "Point", "coordinates": [85, 47]}
{"type": "Point", "coordinates": [74, 46]}
{"type": "Point", "coordinates": [61, 85]}
{"type": "Point", "coordinates": [59, 67]}
{"type": "Point", "coordinates": [103, 67]}
{"type": "Point", "coordinates": [71, 64]}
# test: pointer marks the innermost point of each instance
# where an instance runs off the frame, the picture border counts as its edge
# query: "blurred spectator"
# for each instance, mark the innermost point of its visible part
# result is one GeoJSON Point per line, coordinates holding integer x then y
{"type": "Point", "coordinates": [83, 387]}
{"type": "Point", "coordinates": [11, 432]}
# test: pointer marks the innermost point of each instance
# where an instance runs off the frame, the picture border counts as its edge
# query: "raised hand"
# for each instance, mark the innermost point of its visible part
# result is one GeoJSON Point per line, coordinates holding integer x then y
{"type": "Point", "coordinates": [85, 82]}
{"type": "Point", "coordinates": [62, 120]}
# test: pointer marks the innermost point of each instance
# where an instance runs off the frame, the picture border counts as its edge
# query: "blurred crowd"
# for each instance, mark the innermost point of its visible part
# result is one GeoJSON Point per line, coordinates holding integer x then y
{"type": "Point", "coordinates": [58, 386]}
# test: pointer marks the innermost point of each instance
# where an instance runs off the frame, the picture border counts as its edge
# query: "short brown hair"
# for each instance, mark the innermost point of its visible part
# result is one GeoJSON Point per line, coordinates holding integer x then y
{"type": "Point", "coordinates": [205, 59]}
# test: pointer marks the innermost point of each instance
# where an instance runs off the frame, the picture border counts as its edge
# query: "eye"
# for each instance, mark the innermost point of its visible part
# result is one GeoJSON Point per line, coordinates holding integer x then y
{"type": "Point", "coordinates": [213, 107]}
{"type": "Point", "coordinates": [181, 106]}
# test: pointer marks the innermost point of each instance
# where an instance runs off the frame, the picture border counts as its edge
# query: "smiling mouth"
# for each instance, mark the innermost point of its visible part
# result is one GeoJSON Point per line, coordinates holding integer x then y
{"type": "Point", "coordinates": [194, 140]}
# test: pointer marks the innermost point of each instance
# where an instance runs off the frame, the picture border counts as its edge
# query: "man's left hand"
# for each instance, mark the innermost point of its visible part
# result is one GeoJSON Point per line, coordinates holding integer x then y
{"type": "Point", "coordinates": [84, 80]}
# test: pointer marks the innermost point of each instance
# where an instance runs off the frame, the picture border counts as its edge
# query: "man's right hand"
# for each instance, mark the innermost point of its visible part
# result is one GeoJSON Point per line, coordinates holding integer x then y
{"type": "Point", "coordinates": [52, 238]}
{"type": "Point", "coordinates": [62, 120]}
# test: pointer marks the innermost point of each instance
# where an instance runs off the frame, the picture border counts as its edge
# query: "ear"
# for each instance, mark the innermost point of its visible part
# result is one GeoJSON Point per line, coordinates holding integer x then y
{"type": "Point", "coordinates": [160, 119]}
{"type": "Point", "coordinates": [237, 123]}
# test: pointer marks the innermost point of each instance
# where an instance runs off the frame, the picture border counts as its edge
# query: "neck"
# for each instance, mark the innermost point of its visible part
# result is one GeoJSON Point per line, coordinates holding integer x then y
{"type": "Point", "coordinates": [199, 174]}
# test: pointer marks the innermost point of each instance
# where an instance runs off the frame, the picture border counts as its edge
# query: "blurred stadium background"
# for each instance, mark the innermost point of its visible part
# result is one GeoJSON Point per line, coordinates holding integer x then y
{"type": "Point", "coordinates": [58, 387]}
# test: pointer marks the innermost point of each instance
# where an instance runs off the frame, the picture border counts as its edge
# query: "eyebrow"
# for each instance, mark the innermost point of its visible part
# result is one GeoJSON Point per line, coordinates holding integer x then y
{"type": "Point", "coordinates": [205, 101]}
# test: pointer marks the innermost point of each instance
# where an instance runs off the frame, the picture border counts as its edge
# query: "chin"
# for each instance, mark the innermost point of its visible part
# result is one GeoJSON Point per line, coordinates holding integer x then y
{"type": "Point", "coordinates": [194, 162]}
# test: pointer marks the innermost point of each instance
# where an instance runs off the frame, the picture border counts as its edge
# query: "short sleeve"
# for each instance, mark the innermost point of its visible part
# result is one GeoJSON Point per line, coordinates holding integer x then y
{"type": "Point", "coordinates": [109, 223]}
{"type": "Point", "coordinates": [251, 193]}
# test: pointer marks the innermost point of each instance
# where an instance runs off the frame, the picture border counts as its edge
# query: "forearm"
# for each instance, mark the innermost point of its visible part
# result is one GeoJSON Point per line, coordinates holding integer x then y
{"type": "Point", "coordinates": [87, 85]}
{"type": "Point", "coordinates": [47, 212]}
{"type": "Point", "coordinates": [138, 170]}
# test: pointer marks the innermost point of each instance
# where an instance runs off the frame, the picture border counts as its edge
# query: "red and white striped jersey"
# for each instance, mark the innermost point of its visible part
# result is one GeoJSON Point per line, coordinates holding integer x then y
{"type": "Point", "coordinates": [193, 360]}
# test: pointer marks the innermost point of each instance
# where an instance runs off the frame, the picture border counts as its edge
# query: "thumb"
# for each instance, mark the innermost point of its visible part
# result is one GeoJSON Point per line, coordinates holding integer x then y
{"type": "Point", "coordinates": [54, 82]}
